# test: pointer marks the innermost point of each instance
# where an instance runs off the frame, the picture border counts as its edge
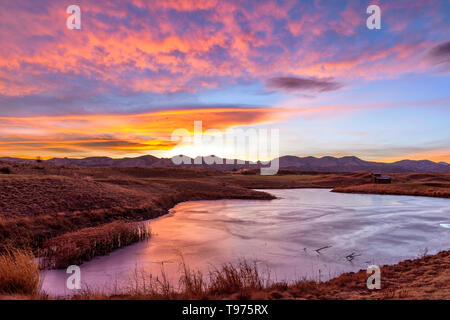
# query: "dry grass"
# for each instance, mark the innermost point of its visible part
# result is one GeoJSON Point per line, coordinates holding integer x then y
{"type": "Point", "coordinates": [19, 273]}
{"type": "Point", "coordinates": [85, 244]}
{"type": "Point", "coordinates": [33, 195]}
{"type": "Point", "coordinates": [288, 180]}
{"type": "Point", "coordinates": [423, 278]}
{"type": "Point", "coordinates": [428, 189]}
{"type": "Point", "coordinates": [240, 280]}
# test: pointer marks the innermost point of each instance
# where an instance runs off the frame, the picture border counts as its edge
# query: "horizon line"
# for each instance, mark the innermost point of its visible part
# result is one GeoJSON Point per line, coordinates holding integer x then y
{"type": "Point", "coordinates": [250, 161]}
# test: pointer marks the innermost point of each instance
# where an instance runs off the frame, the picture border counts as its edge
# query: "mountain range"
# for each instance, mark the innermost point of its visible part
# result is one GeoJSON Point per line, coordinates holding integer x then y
{"type": "Point", "coordinates": [323, 164]}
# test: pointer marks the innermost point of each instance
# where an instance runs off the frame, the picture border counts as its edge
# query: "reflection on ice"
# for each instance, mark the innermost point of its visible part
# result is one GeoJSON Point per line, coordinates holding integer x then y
{"type": "Point", "coordinates": [283, 234]}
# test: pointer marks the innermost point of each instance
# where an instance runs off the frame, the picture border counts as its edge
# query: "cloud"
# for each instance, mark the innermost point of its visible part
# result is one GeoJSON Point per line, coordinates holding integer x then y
{"type": "Point", "coordinates": [103, 83]}
{"type": "Point", "coordinates": [178, 46]}
{"type": "Point", "coordinates": [118, 134]}
{"type": "Point", "coordinates": [440, 54]}
{"type": "Point", "coordinates": [310, 84]}
{"type": "Point", "coordinates": [432, 152]}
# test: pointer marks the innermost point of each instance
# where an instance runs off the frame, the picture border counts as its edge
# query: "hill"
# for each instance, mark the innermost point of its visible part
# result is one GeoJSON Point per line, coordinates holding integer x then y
{"type": "Point", "coordinates": [323, 164]}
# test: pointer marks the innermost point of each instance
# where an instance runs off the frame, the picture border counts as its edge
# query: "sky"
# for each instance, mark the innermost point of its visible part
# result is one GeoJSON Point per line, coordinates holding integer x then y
{"type": "Point", "coordinates": [138, 70]}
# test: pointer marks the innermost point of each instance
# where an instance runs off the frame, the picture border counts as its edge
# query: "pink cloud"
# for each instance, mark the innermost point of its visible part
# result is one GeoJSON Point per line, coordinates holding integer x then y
{"type": "Point", "coordinates": [154, 50]}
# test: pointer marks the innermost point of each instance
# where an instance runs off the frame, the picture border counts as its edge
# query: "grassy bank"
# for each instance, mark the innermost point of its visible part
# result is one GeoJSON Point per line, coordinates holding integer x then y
{"type": "Point", "coordinates": [76, 247]}
{"type": "Point", "coordinates": [412, 184]}
{"type": "Point", "coordinates": [19, 273]}
{"type": "Point", "coordinates": [422, 278]}
{"type": "Point", "coordinates": [426, 189]}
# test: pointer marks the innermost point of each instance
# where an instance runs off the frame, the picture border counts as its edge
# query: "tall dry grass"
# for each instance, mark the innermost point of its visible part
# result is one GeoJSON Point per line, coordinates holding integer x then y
{"type": "Point", "coordinates": [19, 273]}
{"type": "Point", "coordinates": [241, 278]}
{"type": "Point", "coordinates": [85, 244]}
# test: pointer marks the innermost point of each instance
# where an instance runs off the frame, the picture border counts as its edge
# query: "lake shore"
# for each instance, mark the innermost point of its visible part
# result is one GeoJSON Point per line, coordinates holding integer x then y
{"type": "Point", "coordinates": [424, 278]}
{"type": "Point", "coordinates": [41, 202]}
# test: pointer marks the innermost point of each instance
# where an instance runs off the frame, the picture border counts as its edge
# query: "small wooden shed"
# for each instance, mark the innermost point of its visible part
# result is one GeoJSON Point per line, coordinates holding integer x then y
{"type": "Point", "coordinates": [380, 178]}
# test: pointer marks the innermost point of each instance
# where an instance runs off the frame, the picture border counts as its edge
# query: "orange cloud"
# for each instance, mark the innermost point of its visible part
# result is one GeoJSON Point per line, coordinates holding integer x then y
{"type": "Point", "coordinates": [438, 155]}
{"type": "Point", "coordinates": [84, 135]}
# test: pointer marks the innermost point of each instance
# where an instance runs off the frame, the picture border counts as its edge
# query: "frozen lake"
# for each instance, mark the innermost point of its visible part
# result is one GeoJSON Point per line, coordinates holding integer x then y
{"type": "Point", "coordinates": [281, 235]}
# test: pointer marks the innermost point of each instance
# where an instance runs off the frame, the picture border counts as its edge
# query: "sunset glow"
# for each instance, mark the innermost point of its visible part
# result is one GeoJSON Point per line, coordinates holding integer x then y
{"type": "Point", "coordinates": [138, 70]}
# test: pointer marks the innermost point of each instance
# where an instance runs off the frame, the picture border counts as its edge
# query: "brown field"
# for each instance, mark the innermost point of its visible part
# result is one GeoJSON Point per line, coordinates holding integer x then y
{"type": "Point", "coordinates": [414, 184]}
{"type": "Point", "coordinates": [69, 214]}
{"type": "Point", "coordinates": [41, 202]}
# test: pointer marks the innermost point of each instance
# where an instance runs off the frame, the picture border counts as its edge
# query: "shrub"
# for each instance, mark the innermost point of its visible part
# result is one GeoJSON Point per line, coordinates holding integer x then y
{"type": "Point", "coordinates": [5, 170]}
